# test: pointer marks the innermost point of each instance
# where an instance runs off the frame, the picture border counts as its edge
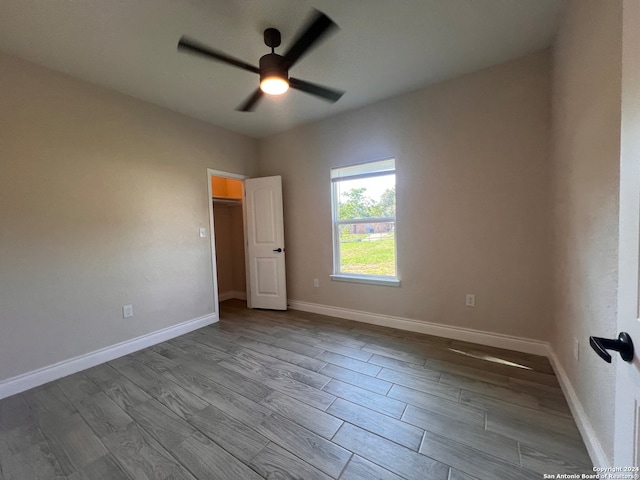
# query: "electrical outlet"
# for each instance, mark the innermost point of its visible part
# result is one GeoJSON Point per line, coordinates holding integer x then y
{"type": "Point", "coordinates": [576, 349]}
{"type": "Point", "coordinates": [203, 232]}
{"type": "Point", "coordinates": [127, 311]}
{"type": "Point", "coordinates": [316, 282]}
{"type": "Point", "coordinates": [470, 300]}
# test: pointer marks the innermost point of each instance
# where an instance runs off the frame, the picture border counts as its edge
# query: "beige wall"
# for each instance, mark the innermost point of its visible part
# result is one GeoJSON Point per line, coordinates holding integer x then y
{"type": "Point", "coordinates": [101, 199]}
{"type": "Point", "coordinates": [224, 260]}
{"type": "Point", "coordinates": [237, 250]}
{"type": "Point", "coordinates": [585, 173]}
{"type": "Point", "coordinates": [472, 199]}
{"type": "Point", "coordinates": [229, 248]}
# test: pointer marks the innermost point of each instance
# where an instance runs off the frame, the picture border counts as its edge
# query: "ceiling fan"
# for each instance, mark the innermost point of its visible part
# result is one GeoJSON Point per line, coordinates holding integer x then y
{"type": "Point", "coordinates": [274, 68]}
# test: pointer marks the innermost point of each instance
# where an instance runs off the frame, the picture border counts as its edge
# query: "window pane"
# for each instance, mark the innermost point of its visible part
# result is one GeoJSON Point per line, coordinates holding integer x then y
{"type": "Point", "coordinates": [368, 248]}
{"type": "Point", "coordinates": [373, 197]}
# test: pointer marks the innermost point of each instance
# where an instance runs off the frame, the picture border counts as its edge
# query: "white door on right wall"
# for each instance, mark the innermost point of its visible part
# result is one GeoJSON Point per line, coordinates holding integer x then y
{"type": "Point", "coordinates": [627, 412]}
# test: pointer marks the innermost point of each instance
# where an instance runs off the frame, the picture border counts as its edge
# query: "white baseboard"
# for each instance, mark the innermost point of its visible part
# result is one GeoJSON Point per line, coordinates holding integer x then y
{"type": "Point", "coordinates": [28, 380]}
{"type": "Point", "coordinates": [589, 436]}
{"type": "Point", "coordinates": [232, 294]}
{"type": "Point", "coordinates": [497, 340]}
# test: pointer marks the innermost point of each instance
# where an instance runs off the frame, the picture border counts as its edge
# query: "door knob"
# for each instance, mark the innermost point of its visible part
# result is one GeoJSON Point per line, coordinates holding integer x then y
{"type": "Point", "coordinates": [622, 344]}
{"type": "Point", "coordinates": [278, 250]}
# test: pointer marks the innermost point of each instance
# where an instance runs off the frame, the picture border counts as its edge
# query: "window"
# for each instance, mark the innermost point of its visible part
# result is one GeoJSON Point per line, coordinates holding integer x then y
{"type": "Point", "coordinates": [364, 222]}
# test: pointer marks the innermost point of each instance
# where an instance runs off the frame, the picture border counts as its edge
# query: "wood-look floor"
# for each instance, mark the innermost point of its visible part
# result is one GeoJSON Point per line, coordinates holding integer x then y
{"type": "Point", "coordinates": [291, 395]}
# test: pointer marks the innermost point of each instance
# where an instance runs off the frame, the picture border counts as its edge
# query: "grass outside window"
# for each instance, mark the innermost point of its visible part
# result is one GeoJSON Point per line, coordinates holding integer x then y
{"type": "Point", "coordinates": [363, 255]}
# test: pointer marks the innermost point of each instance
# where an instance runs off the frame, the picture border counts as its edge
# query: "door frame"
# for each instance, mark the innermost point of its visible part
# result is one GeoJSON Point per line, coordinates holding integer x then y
{"type": "Point", "coordinates": [212, 237]}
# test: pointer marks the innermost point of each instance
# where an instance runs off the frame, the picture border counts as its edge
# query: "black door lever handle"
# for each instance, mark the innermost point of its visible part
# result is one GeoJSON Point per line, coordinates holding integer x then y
{"type": "Point", "coordinates": [278, 250]}
{"type": "Point", "coordinates": [622, 344]}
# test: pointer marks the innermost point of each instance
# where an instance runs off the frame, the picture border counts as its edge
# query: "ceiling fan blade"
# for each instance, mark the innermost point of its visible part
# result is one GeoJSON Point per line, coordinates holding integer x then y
{"type": "Point", "coordinates": [325, 93]}
{"type": "Point", "coordinates": [250, 103]}
{"type": "Point", "coordinates": [193, 46]}
{"type": "Point", "coordinates": [318, 26]}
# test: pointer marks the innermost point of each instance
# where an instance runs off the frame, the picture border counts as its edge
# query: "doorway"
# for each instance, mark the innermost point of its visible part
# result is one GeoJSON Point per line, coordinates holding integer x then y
{"type": "Point", "coordinates": [247, 240]}
{"type": "Point", "coordinates": [226, 211]}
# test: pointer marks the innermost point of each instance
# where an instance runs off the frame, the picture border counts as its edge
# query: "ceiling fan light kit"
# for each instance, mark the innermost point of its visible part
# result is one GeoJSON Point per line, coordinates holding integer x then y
{"type": "Point", "coordinates": [274, 85]}
{"type": "Point", "coordinates": [274, 77]}
{"type": "Point", "coordinates": [274, 68]}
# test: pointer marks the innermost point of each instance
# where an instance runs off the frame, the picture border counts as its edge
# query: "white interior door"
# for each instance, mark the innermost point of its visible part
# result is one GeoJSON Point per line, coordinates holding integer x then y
{"type": "Point", "coordinates": [265, 244]}
{"type": "Point", "coordinates": [627, 432]}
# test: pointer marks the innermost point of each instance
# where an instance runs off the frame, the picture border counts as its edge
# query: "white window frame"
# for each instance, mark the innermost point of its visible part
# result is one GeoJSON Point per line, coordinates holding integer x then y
{"type": "Point", "coordinates": [338, 275]}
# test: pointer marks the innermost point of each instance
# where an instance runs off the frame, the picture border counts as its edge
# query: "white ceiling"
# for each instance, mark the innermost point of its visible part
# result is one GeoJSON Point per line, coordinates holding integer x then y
{"type": "Point", "coordinates": [383, 48]}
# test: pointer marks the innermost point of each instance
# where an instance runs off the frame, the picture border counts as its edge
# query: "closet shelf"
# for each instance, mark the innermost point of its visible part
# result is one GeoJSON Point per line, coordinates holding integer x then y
{"type": "Point", "coordinates": [227, 200]}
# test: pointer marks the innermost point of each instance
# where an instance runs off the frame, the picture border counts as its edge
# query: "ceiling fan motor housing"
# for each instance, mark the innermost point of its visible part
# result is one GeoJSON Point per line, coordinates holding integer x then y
{"type": "Point", "coordinates": [273, 65]}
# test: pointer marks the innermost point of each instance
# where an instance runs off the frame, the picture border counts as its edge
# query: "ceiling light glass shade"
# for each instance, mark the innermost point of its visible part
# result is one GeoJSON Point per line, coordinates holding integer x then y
{"type": "Point", "coordinates": [274, 85]}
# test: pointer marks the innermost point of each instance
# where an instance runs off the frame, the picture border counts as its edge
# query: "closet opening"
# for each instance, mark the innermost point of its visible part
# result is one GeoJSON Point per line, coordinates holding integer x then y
{"type": "Point", "coordinates": [228, 236]}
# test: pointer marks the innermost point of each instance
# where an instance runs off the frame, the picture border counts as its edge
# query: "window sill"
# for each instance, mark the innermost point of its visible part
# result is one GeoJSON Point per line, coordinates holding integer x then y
{"type": "Point", "coordinates": [388, 282]}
